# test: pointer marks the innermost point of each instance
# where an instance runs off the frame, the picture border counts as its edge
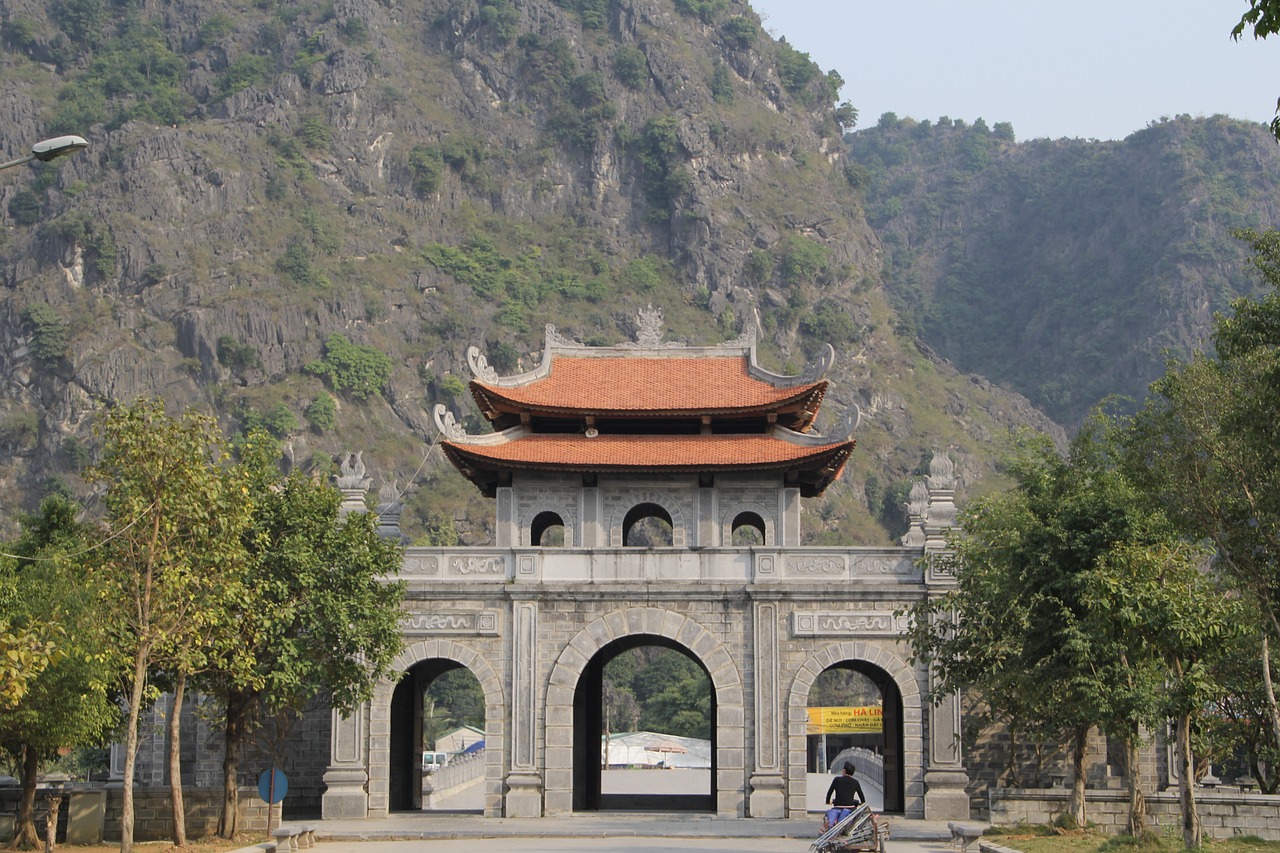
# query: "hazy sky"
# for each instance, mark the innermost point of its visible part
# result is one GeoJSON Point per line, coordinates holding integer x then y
{"type": "Point", "coordinates": [1076, 68]}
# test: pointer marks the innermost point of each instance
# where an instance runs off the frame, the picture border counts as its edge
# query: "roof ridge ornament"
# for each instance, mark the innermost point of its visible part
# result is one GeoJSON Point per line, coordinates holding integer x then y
{"type": "Point", "coordinates": [555, 339]}
{"type": "Point", "coordinates": [479, 365]}
{"type": "Point", "coordinates": [448, 424]}
{"type": "Point", "coordinates": [817, 369]}
{"type": "Point", "coordinates": [649, 331]}
{"type": "Point", "coordinates": [849, 425]}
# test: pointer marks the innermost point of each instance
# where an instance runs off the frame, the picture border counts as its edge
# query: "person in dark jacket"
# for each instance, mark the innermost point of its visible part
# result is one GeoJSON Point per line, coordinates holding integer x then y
{"type": "Point", "coordinates": [844, 794]}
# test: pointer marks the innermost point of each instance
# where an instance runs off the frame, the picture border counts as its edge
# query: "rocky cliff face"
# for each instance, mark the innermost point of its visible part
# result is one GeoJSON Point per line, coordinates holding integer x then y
{"type": "Point", "coordinates": [417, 176]}
{"type": "Point", "coordinates": [1069, 269]}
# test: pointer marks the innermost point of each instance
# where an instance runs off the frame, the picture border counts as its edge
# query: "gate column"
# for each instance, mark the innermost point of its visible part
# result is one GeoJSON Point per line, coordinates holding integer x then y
{"type": "Point", "coordinates": [768, 794]}
{"type": "Point", "coordinates": [345, 778]}
{"type": "Point", "coordinates": [524, 783]}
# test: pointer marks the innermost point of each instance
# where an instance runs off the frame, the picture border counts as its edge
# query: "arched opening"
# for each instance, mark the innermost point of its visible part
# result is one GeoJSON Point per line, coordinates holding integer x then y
{"type": "Point", "coordinates": [644, 729]}
{"type": "Point", "coordinates": [747, 530]}
{"type": "Point", "coordinates": [437, 739]}
{"type": "Point", "coordinates": [547, 530]}
{"type": "Point", "coordinates": [647, 525]}
{"type": "Point", "coordinates": [855, 717]}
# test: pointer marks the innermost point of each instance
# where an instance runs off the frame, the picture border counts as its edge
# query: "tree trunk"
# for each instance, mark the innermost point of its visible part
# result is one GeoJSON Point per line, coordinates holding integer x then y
{"type": "Point", "coordinates": [1272, 711]}
{"type": "Point", "coordinates": [1191, 833]}
{"type": "Point", "coordinates": [131, 746]}
{"type": "Point", "coordinates": [1079, 748]}
{"type": "Point", "coordinates": [175, 763]}
{"type": "Point", "coordinates": [233, 738]}
{"type": "Point", "coordinates": [25, 823]}
{"type": "Point", "coordinates": [1137, 801]}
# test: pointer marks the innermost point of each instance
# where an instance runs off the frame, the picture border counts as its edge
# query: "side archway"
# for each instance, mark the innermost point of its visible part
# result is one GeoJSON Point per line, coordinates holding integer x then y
{"type": "Point", "coordinates": [905, 680]}
{"type": "Point", "coordinates": [706, 647]}
{"type": "Point", "coordinates": [381, 758]}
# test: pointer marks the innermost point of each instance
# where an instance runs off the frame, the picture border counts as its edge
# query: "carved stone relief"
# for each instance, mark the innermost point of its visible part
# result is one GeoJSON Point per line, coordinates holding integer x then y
{"type": "Point", "coordinates": [851, 624]}
{"type": "Point", "coordinates": [482, 622]}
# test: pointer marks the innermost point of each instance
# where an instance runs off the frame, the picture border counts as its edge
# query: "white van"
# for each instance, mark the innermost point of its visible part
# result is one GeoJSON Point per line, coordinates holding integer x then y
{"type": "Point", "coordinates": [433, 761]}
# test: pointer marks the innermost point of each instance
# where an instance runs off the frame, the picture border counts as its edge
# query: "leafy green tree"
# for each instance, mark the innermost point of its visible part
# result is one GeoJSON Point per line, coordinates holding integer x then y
{"type": "Point", "coordinates": [324, 617]}
{"type": "Point", "coordinates": [322, 413]}
{"type": "Point", "coordinates": [1204, 446]}
{"type": "Point", "coordinates": [1263, 18]}
{"type": "Point", "coordinates": [1020, 634]}
{"type": "Point", "coordinates": [66, 703]}
{"type": "Point", "coordinates": [49, 334]}
{"type": "Point", "coordinates": [459, 695]}
{"type": "Point", "coordinates": [361, 371]}
{"type": "Point", "coordinates": [173, 515]}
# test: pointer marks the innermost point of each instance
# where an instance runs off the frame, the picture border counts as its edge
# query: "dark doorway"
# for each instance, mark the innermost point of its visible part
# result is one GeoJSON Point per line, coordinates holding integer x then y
{"type": "Point", "coordinates": [683, 683]}
{"type": "Point", "coordinates": [859, 684]}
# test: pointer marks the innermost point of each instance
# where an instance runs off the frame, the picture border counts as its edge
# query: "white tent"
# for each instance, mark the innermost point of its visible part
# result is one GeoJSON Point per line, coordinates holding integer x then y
{"type": "Point", "coordinates": [653, 749]}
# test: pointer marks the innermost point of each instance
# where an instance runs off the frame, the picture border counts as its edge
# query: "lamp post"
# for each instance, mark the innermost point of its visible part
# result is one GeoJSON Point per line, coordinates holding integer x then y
{"type": "Point", "coordinates": [50, 149]}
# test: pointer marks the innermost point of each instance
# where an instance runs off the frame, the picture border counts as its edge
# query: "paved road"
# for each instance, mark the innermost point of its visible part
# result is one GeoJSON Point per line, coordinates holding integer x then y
{"type": "Point", "coordinates": [603, 845]}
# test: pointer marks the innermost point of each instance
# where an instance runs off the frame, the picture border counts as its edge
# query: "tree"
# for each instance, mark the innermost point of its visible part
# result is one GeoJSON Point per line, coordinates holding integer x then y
{"type": "Point", "coordinates": [324, 617]}
{"type": "Point", "coordinates": [1205, 447]}
{"type": "Point", "coordinates": [174, 519]}
{"type": "Point", "coordinates": [65, 702]}
{"type": "Point", "coordinates": [1017, 626]}
{"type": "Point", "coordinates": [1158, 605]}
{"type": "Point", "coordinates": [1263, 18]}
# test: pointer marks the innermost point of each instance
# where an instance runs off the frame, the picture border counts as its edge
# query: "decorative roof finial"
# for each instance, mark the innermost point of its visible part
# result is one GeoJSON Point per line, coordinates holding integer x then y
{"type": "Point", "coordinates": [649, 320]}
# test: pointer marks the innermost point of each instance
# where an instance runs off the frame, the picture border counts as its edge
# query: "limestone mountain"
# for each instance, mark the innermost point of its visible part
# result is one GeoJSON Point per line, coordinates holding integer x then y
{"type": "Point", "coordinates": [1066, 269]}
{"type": "Point", "coordinates": [298, 215]}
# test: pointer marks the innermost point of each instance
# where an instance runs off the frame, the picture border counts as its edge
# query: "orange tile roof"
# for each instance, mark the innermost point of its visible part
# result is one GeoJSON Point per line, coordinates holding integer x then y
{"type": "Point", "coordinates": [818, 465]}
{"type": "Point", "coordinates": [647, 385]}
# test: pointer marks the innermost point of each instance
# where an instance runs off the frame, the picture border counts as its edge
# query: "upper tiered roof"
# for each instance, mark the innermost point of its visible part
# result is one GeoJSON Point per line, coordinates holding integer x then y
{"type": "Point", "coordinates": [650, 406]}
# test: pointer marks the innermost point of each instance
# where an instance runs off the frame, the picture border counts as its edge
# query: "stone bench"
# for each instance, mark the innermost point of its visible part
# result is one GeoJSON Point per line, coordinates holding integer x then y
{"type": "Point", "coordinates": [293, 837]}
{"type": "Point", "coordinates": [964, 834]}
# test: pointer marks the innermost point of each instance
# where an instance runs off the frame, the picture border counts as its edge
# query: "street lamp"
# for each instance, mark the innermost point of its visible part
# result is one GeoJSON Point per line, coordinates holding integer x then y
{"type": "Point", "coordinates": [50, 149]}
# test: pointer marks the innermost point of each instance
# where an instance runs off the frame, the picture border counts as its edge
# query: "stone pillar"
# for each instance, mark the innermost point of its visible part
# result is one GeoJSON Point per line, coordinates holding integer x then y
{"type": "Point", "coordinates": [768, 786]}
{"type": "Point", "coordinates": [945, 797]}
{"type": "Point", "coordinates": [789, 529]}
{"type": "Point", "coordinates": [591, 535]}
{"type": "Point", "coordinates": [524, 782]}
{"type": "Point", "coordinates": [707, 530]}
{"type": "Point", "coordinates": [346, 777]}
{"type": "Point", "coordinates": [505, 531]}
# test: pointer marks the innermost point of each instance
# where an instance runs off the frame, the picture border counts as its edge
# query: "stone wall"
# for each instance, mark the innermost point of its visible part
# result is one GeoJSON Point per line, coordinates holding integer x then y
{"type": "Point", "coordinates": [1223, 813]}
{"type": "Point", "coordinates": [153, 819]}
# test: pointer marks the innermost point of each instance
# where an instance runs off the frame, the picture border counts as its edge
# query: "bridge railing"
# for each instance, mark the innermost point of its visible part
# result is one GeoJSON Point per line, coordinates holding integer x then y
{"type": "Point", "coordinates": [605, 565]}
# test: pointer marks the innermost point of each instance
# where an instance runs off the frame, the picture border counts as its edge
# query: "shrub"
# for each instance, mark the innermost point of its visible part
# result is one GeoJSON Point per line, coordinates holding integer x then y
{"type": "Point", "coordinates": [321, 414]}
{"type": "Point", "coordinates": [804, 260]}
{"type": "Point", "coordinates": [24, 208]}
{"type": "Point", "coordinates": [237, 355]}
{"type": "Point", "coordinates": [425, 165]}
{"type": "Point", "coordinates": [361, 371]}
{"type": "Point", "coordinates": [741, 31]}
{"type": "Point", "coordinates": [827, 323]}
{"type": "Point", "coordinates": [704, 10]}
{"type": "Point", "coordinates": [722, 84]}
{"type": "Point", "coordinates": [631, 67]}
{"type": "Point", "coordinates": [795, 69]}
{"type": "Point", "coordinates": [49, 334]}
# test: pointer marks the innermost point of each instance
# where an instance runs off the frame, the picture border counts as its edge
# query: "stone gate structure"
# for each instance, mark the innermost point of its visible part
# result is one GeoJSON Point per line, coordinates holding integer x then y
{"type": "Point", "coordinates": [592, 451]}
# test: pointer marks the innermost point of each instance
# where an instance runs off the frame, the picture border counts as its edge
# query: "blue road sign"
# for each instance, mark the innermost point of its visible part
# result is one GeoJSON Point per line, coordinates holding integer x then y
{"type": "Point", "coordinates": [273, 785]}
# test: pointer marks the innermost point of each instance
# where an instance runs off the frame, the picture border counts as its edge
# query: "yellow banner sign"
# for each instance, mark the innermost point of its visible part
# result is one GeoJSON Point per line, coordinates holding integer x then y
{"type": "Point", "coordinates": [868, 719]}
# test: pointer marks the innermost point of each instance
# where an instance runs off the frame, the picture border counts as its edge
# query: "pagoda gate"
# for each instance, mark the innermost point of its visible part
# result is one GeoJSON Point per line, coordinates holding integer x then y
{"type": "Point", "coordinates": [587, 450]}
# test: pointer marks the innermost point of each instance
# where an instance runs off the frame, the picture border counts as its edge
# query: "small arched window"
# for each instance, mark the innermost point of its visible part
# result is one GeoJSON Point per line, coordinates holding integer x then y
{"type": "Point", "coordinates": [547, 530]}
{"type": "Point", "coordinates": [747, 530]}
{"type": "Point", "coordinates": [647, 525]}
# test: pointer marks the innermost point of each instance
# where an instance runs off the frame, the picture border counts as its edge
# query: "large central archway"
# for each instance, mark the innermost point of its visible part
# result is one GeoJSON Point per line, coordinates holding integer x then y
{"type": "Point", "coordinates": [642, 791]}
{"type": "Point", "coordinates": [578, 672]}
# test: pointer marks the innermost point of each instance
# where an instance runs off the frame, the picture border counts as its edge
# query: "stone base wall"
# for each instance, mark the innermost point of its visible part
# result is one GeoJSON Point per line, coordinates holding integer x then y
{"type": "Point", "coordinates": [153, 819]}
{"type": "Point", "coordinates": [1224, 814]}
